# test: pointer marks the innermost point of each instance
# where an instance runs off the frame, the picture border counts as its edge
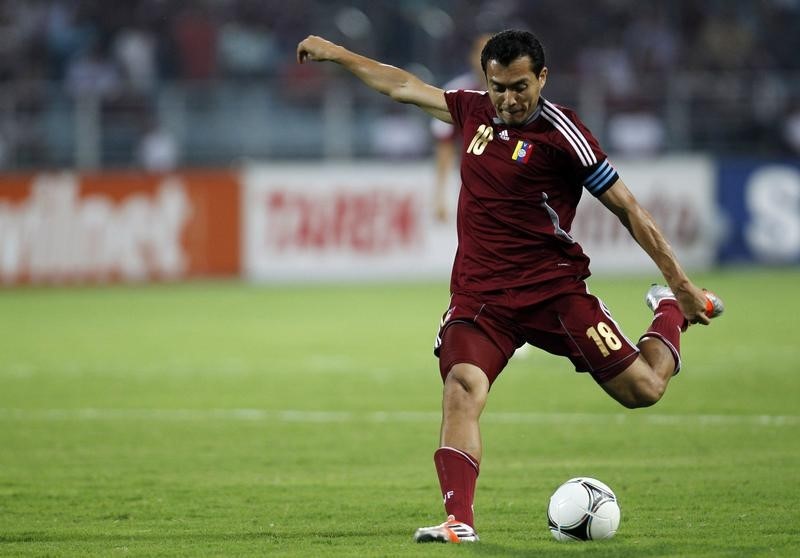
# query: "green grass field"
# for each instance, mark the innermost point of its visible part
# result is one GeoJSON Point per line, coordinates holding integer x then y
{"type": "Point", "coordinates": [237, 420]}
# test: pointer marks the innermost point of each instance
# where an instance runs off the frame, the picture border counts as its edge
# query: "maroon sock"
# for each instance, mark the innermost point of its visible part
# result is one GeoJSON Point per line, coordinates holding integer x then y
{"type": "Point", "coordinates": [458, 473]}
{"type": "Point", "coordinates": [668, 323]}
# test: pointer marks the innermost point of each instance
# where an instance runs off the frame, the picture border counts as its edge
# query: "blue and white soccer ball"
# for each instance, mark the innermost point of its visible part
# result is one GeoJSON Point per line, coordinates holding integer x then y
{"type": "Point", "coordinates": [583, 509]}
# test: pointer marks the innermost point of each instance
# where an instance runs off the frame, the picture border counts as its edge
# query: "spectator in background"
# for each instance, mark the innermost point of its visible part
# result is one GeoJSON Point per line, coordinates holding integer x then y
{"type": "Point", "coordinates": [68, 31]}
{"type": "Point", "coordinates": [746, 51]}
{"type": "Point", "coordinates": [448, 136]}
{"type": "Point", "coordinates": [21, 30]}
{"type": "Point", "coordinates": [636, 130]}
{"type": "Point", "coordinates": [196, 40]}
{"type": "Point", "coordinates": [398, 135]}
{"type": "Point", "coordinates": [609, 64]}
{"type": "Point", "coordinates": [92, 74]}
{"type": "Point", "coordinates": [651, 41]}
{"type": "Point", "coordinates": [3, 152]}
{"type": "Point", "coordinates": [726, 42]}
{"type": "Point", "coordinates": [791, 130]}
{"type": "Point", "coordinates": [135, 52]}
{"type": "Point", "coordinates": [158, 148]}
{"type": "Point", "coordinates": [246, 47]}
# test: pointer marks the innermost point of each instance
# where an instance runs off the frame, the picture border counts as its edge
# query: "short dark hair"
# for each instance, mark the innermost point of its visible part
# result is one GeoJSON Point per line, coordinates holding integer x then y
{"type": "Point", "coordinates": [506, 46]}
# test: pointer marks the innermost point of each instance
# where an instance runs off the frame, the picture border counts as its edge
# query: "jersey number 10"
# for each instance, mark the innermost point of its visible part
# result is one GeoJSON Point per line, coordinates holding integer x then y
{"type": "Point", "coordinates": [482, 138]}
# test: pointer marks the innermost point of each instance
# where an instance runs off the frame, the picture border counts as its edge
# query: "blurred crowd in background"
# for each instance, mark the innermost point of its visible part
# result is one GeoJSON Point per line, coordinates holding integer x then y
{"type": "Point", "coordinates": [163, 83]}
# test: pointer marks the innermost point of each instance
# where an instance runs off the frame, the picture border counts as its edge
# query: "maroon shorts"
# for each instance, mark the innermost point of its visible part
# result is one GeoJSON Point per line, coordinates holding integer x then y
{"type": "Point", "coordinates": [561, 318]}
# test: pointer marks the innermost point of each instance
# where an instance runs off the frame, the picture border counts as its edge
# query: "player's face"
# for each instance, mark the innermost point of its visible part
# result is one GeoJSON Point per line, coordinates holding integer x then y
{"type": "Point", "coordinates": [514, 89]}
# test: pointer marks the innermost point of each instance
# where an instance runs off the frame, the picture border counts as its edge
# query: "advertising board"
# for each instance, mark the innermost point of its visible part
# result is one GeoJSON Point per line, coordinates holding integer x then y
{"type": "Point", "coordinates": [374, 221]}
{"type": "Point", "coordinates": [760, 201]}
{"type": "Point", "coordinates": [70, 228]}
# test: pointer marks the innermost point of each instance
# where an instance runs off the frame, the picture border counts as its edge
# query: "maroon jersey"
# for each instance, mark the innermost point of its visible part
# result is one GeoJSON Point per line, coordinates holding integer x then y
{"type": "Point", "coordinates": [520, 187]}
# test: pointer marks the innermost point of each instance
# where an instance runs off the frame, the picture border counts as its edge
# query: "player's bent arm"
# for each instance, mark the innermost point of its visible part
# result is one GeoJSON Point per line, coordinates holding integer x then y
{"type": "Point", "coordinates": [644, 230]}
{"type": "Point", "coordinates": [398, 84]}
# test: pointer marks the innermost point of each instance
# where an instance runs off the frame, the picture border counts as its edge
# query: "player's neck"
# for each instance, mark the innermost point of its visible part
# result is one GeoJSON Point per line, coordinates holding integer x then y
{"type": "Point", "coordinates": [531, 118]}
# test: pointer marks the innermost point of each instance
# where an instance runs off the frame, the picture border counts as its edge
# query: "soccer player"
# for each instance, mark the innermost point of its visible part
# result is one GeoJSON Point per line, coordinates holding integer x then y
{"type": "Point", "coordinates": [518, 275]}
{"type": "Point", "coordinates": [446, 135]}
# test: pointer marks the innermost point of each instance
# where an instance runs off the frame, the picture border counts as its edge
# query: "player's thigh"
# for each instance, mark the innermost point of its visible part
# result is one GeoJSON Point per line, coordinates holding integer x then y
{"type": "Point", "coordinates": [466, 343]}
{"type": "Point", "coordinates": [580, 327]}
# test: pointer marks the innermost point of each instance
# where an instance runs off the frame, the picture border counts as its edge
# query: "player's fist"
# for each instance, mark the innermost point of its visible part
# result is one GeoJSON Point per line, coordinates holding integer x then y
{"type": "Point", "coordinates": [693, 302]}
{"type": "Point", "coordinates": [315, 48]}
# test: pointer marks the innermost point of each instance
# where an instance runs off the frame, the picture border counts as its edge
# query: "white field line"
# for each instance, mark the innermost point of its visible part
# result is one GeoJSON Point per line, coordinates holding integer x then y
{"type": "Point", "coordinates": [325, 417]}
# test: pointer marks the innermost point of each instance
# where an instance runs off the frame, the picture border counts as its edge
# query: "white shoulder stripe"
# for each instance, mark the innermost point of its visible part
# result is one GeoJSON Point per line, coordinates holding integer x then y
{"type": "Point", "coordinates": [568, 137]}
{"type": "Point", "coordinates": [570, 132]}
{"type": "Point", "coordinates": [566, 126]}
{"type": "Point", "coordinates": [581, 138]}
{"type": "Point", "coordinates": [570, 125]}
{"type": "Point", "coordinates": [466, 91]}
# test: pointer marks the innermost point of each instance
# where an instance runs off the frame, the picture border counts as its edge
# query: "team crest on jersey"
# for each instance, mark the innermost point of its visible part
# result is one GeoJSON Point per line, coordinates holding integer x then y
{"type": "Point", "coordinates": [522, 152]}
{"type": "Point", "coordinates": [504, 135]}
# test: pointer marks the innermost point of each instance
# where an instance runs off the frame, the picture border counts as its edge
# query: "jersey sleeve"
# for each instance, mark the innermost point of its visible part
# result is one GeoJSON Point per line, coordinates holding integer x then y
{"type": "Point", "coordinates": [460, 102]}
{"type": "Point", "coordinates": [443, 131]}
{"type": "Point", "coordinates": [588, 160]}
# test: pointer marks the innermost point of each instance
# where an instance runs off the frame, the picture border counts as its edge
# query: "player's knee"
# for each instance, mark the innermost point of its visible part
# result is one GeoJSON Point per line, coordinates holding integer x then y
{"type": "Point", "coordinates": [468, 377]}
{"type": "Point", "coordinates": [466, 382]}
{"type": "Point", "coordinates": [637, 386]}
{"type": "Point", "coordinates": [644, 393]}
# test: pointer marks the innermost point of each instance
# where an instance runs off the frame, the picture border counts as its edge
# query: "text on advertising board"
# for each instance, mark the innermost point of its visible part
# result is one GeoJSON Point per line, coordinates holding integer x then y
{"type": "Point", "coordinates": [363, 222]}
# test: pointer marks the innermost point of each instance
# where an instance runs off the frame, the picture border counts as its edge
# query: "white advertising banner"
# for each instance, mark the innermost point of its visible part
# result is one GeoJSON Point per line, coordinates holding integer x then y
{"type": "Point", "coordinates": [679, 194]}
{"type": "Point", "coordinates": [343, 222]}
{"type": "Point", "coordinates": [371, 221]}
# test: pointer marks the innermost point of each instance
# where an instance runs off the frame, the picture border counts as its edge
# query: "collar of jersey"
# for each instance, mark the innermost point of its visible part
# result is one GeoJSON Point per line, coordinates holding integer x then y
{"type": "Point", "coordinates": [531, 118]}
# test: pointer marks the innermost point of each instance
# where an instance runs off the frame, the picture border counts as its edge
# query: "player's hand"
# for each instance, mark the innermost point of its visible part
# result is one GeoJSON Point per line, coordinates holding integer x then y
{"type": "Point", "coordinates": [315, 48]}
{"type": "Point", "coordinates": [692, 301]}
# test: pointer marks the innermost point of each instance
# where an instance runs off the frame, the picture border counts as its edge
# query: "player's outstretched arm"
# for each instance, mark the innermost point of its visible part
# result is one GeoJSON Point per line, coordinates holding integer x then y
{"type": "Point", "coordinates": [398, 84]}
{"type": "Point", "coordinates": [644, 230]}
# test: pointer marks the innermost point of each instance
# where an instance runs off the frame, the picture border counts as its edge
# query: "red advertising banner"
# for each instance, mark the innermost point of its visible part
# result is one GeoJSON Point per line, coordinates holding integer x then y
{"type": "Point", "coordinates": [122, 226]}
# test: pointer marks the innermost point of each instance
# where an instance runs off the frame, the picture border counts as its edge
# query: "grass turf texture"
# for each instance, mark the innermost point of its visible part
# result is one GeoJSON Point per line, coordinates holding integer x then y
{"type": "Point", "coordinates": [235, 420]}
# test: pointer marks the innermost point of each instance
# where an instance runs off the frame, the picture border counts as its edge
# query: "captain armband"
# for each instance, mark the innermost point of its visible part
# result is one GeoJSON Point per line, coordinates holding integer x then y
{"type": "Point", "coordinates": [601, 178]}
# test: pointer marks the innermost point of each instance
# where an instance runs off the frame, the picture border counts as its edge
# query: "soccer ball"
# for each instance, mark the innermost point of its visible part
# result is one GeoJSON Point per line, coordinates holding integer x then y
{"type": "Point", "coordinates": [583, 509]}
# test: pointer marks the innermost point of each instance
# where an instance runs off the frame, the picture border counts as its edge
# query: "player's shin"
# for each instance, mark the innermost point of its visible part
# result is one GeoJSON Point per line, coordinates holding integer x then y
{"type": "Point", "coordinates": [667, 325]}
{"type": "Point", "coordinates": [458, 474]}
